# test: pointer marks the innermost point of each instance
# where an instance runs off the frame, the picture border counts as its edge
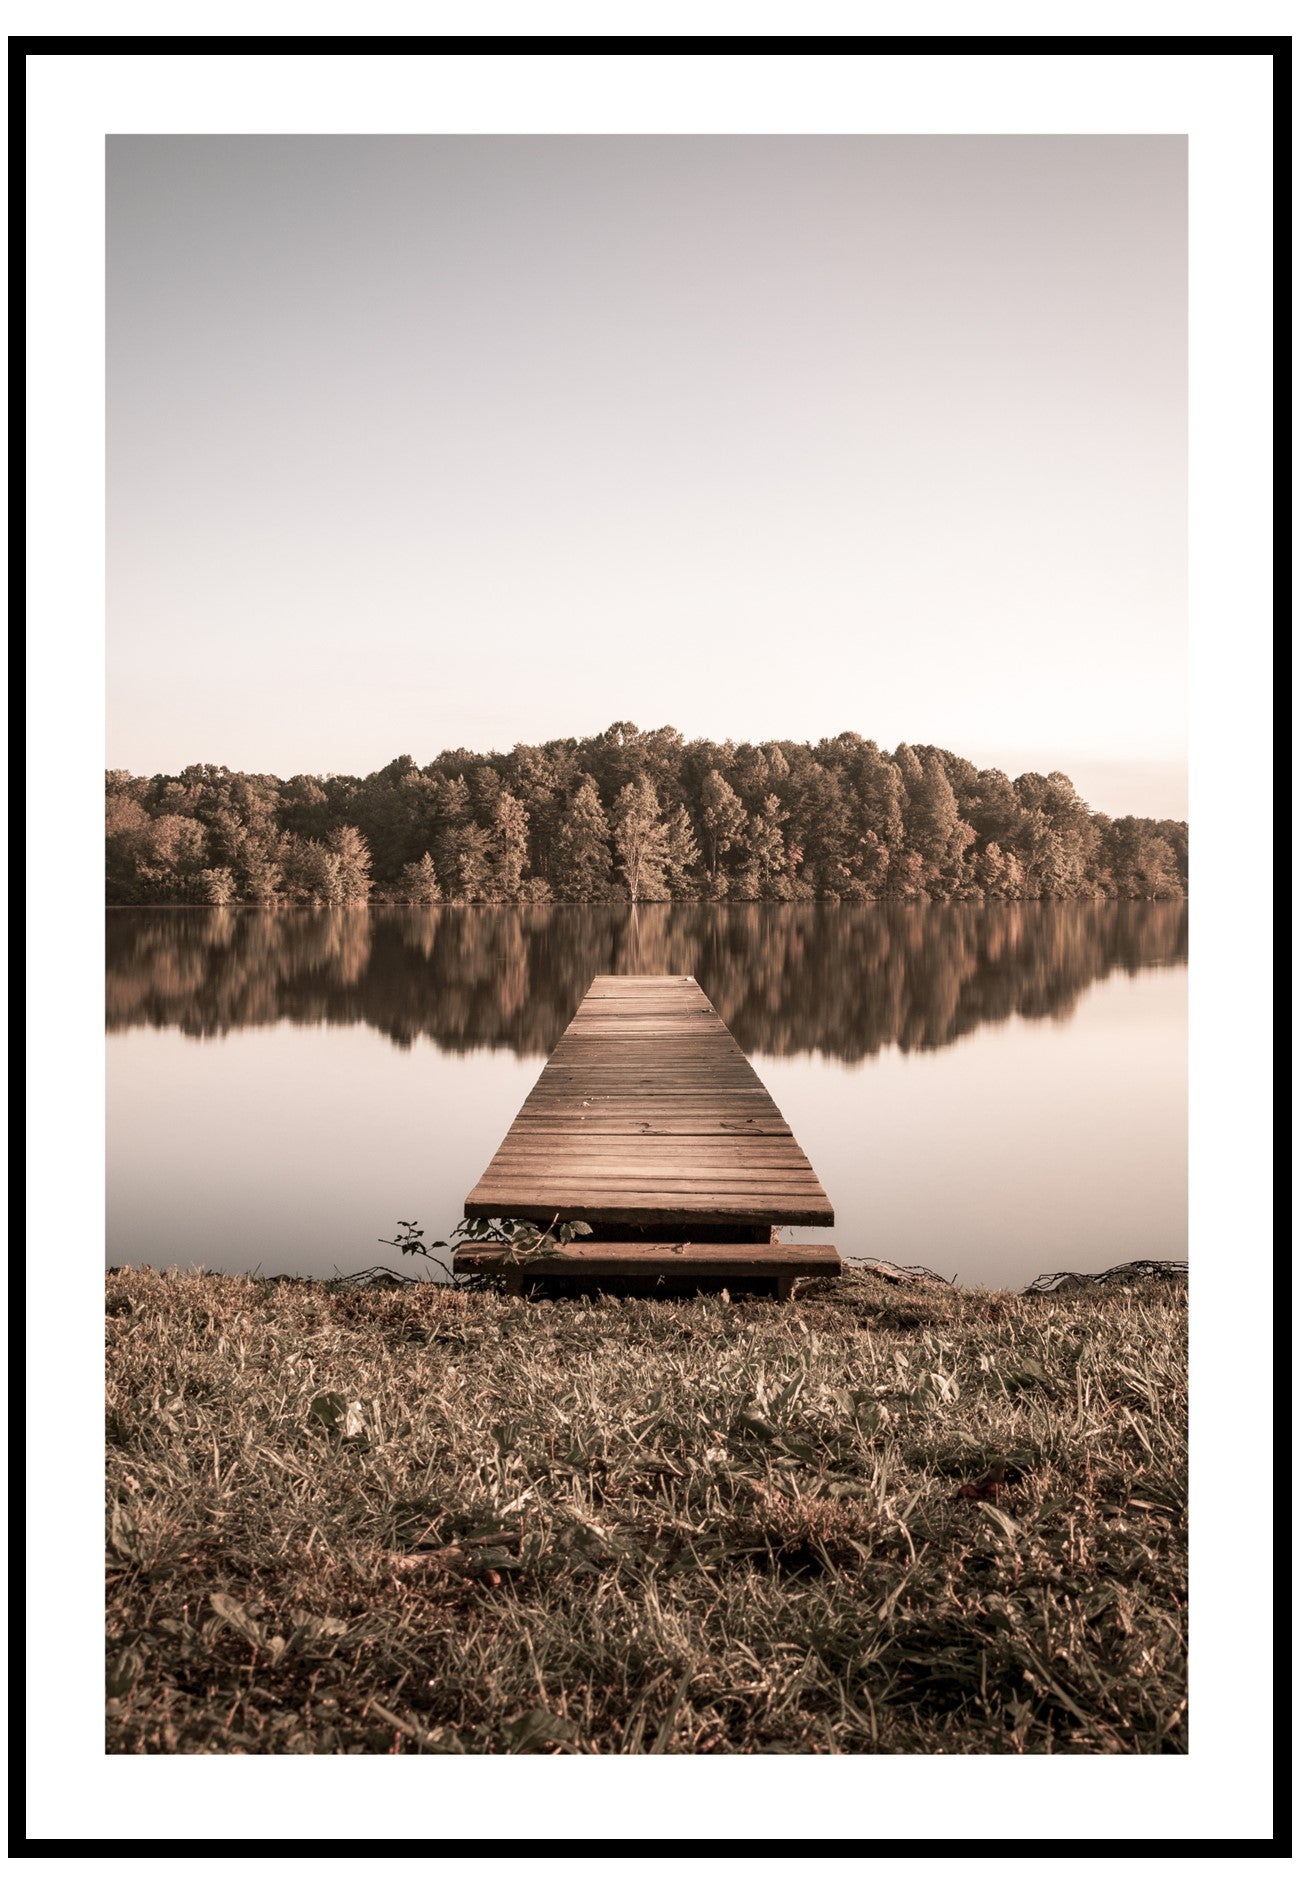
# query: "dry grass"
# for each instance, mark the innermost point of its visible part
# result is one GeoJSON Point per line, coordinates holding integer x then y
{"type": "Point", "coordinates": [886, 1518]}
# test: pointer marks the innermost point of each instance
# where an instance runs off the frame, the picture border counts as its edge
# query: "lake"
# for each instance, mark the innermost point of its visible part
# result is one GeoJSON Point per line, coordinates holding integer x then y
{"type": "Point", "coordinates": [993, 1091]}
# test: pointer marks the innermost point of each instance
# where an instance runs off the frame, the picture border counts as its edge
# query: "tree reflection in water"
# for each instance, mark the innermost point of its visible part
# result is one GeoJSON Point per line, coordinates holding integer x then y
{"type": "Point", "coordinates": [847, 981]}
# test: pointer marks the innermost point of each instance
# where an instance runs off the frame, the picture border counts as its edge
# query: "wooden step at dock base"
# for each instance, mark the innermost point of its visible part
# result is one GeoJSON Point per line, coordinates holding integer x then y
{"type": "Point", "coordinates": [649, 1262]}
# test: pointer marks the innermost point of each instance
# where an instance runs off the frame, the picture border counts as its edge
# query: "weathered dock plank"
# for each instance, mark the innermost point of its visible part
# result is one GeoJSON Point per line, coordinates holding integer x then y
{"type": "Point", "coordinates": [649, 1114]}
{"type": "Point", "coordinates": [653, 1262]}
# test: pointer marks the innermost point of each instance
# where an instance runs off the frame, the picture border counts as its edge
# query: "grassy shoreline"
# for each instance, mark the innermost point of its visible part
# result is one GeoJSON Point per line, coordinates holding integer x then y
{"type": "Point", "coordinates": [892, 1517]}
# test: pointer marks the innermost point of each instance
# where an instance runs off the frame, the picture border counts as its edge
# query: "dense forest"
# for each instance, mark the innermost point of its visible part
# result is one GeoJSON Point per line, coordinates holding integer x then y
{"type": "Point", "coordinates": [631, 816]}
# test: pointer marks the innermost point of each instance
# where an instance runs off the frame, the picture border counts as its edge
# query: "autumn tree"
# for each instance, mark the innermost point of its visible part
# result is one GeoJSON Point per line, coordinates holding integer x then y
{"type": "Point", "coordinates": [509, 846]}
{"type": "Point", "coordinates": [827, 828]}
{"type": "Point", "coordinates": [681, 855]}
{"type": "Point", "coordinates": [258, 868]}
{"type": "Point", "coordinates": [540, 778]}
{"type": "Point", "coordinates": [767, 844]}
{"type": "Point", "coordinates": [876, 858]}
{"type": "Point", "coordinates": [218, 885]}
{"type": "Point", "coordinates": [583, 865]}
{"type": "Point", "coordinates": [993, 808]}
{"type": "Point", "coordinates": [125, 823]}
{"type": "Point", "coordinates": [933, 825]}
{"type": "Point", "coordinates": [473, 861]}
{"type": "Point", "coordinates": [1000, 874]}
{"type": "Point", "coordinates": [641, 841]}
{"type": "Point", "coordinates": [169, 854]}
{"type": "Point", "coordinates": [394, 809]}
{"type": "Point", "coordinates": [450, 816]}
{"type": "Point", "coordinates": [722, 818]}
{"type": "Point", "coordinates": [417, 883]}
{"type": "Point", "coordinates": [352, 855]}
{"type": "Point", "coordinates": [1143, 863]}
{"type": "Point", "coordinates": [875, 788]}
{"type": "Point", "coordinates": [312, 872]}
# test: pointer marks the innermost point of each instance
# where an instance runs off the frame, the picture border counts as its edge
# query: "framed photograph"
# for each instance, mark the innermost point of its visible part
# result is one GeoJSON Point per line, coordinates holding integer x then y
{"type": "Point", "coordinates": [664, 621]}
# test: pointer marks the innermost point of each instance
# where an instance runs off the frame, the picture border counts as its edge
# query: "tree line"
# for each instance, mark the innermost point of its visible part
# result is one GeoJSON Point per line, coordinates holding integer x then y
{"type": "Point", "coordinates": [630, 816]}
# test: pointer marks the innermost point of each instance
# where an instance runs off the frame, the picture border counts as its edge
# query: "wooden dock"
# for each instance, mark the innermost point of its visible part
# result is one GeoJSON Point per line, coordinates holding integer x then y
{"type": "Point", "coordinates": [650, 1124]}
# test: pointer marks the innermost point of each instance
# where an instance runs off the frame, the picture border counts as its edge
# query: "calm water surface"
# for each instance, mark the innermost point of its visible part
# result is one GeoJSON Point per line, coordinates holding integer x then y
{"type": "Point", "coordinates": [989, 1091]}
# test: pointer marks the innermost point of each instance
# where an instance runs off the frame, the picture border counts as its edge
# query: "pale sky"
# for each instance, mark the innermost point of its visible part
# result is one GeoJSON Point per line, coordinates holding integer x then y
{"type": "Point", "coordinates": [424, 443]}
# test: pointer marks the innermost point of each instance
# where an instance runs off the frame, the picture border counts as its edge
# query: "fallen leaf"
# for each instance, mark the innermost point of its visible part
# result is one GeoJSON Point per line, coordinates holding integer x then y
{"type": "Point", "coordinates": [991, 1483]}
{"type": "Point", "coordinates": [540, 1728]}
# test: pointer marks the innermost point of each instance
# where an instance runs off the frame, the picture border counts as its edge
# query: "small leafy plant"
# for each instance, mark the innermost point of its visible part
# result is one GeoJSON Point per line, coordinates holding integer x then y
{"type": "Point", "coordinates": [524, 1240]}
